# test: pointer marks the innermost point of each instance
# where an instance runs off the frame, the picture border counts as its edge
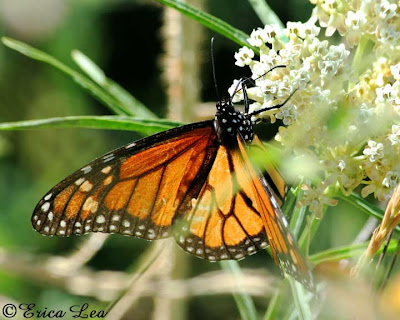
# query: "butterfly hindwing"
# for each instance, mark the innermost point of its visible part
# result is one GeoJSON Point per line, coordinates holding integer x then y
{"type": "Point", "coordinates": [222, 222]}
{"type": "Point", "coordinates": [134, 190]}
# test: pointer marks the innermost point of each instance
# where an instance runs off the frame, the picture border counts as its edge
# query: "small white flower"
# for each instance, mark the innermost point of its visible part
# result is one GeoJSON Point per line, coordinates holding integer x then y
{"type": "Point", "coordinates": [364, 113]}
{"type": "Point", "coordinates": [259, 69]}
{"type": "Point", "coordinates": [355, 20]}
{"type": "Point", "coordinates": [395, 70]}
{"type": "Point", "coordinates": [235, 91]}
{"type": "Point", "coordinates": [385, 9]}
{"type": "Point", "coordinates": [394, 137]}
{"type": "Point", "coordinates": [391, 179]}
{"type": "Point", "coordinates": [301, 78]}
{"type": "Point", "coordinates": [258, 37]}
{"type": "Point", "coordinates": [388, 33]}
{"type": "Point", "coordinates": [387, 93]}
{"type": "Point", "coordinates": [244, 56]}
{"type": "Point", "coordinates": [318, 48]}
{"type": "Point", "coordinates": [342, 165]}
{"type": "Point", "coordinates": [270, 33]}
{"type": "Point", "coordinates": [288, 114]}
{"type": "Point", "coordinates": [374, 151]}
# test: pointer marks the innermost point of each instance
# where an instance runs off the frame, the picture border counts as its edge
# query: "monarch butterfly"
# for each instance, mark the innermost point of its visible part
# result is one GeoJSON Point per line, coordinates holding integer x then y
{"type": "Point", "coordinates": [194, 182]}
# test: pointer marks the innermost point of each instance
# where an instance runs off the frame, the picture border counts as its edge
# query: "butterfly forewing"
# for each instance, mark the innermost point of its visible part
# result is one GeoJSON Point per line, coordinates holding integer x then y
{"type": "Point", "coordinates": [284, 248]}
{"type": "Point", "coordinates": [134, 190]}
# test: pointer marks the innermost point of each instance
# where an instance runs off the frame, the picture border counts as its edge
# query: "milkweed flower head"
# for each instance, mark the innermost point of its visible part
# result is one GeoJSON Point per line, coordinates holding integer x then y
{"type": "Point", "coordinates": [346, 111]}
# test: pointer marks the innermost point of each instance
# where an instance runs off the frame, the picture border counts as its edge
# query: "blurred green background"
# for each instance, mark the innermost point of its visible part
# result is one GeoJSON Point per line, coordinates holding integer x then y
{"type": "Point", "coordinates": [125, 39]}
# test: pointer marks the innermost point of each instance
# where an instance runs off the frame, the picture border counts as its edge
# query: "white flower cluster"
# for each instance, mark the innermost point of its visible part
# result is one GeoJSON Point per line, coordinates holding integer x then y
{"type": "Point", "coordinates": [377, 20]}
{"type": "Point", "coordinates": [345, 115]}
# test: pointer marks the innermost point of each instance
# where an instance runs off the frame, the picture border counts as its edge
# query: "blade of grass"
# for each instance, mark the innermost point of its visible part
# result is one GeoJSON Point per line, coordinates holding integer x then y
{"type": "Point", "coordinates": [127, 101]}
{"type": "Point", "coordinates": [83, 81]}
{"type": "Point", "coordinates": [346, 252]}
{"type": "Point", "coordinates": [265, 13]}
{"type": "Point", "coordinates": [143, 126]}
{"type": "Point", "coordinates": [210, 22]}
{"type": "Point", "coordinates": [243, 301]}
{"type": "Point", "coordinates": [273, 306]}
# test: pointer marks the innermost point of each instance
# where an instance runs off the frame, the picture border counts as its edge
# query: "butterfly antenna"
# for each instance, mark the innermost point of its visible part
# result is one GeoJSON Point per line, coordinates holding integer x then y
{"type": "Point", "coordinates": [213, 69]}
{"type": "Point", "coordinates": [253, 81]}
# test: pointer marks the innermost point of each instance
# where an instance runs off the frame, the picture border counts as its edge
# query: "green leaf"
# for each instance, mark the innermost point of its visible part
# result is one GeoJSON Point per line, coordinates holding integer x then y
{"type": "Point", "coordinates": [143, 126]}
{"type": "Point", "coordinates": [211, 22]}
{"type": "Point", "coordinates": [83, 81]}
{"type": "Point", "coordinates": [131, 105]}
{"type": "Point", "coordinates": [243, 301]}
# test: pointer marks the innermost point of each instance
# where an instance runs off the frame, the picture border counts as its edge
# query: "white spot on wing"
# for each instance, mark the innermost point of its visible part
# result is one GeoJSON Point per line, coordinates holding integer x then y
{"type": "Point", "coordinates": [45, 206]}
{"type": "Point", "coordinates": [100, 219]}
{"type": "Point", "coordinates": [106, 170]}
{"type": "Point", "coordinates": [79, 181]}
{"type": "Point", "coordinates": [130, 145]}
{"type": "Point", "coordinates": [48, 196]}
{"type": "Point", "coordinates": [86, 169]}
{"type": "Point", "coordinates": [108, 157]}
{"type": "Point", "coordinates": [86, 186]}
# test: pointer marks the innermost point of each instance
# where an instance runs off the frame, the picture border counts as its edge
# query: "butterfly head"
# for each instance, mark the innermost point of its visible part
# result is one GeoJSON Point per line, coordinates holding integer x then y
{"type": "Point", "coordinates": [230, 122]}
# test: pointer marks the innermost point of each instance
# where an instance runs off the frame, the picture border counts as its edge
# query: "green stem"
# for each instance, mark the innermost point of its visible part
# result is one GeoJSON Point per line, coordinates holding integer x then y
{"type": "Point", "coordinates": [358, 62]}
{"type": "Point", "coordinates": [309, 232]}
{"type": "Point", "coordinates": [243, 301]}
{"type": "Point", "coordinates": [265, 13]}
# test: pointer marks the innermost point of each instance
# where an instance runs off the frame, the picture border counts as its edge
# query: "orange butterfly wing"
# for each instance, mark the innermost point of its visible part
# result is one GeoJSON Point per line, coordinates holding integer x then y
{"type": "Point", "coordinates": [134, 190]}
{"type": "Point", "coordinates": [284, 248]}
{"type": "Point", "coordinates": [223, 222]}
{"type": "Point", "coordinates": [181, 180]}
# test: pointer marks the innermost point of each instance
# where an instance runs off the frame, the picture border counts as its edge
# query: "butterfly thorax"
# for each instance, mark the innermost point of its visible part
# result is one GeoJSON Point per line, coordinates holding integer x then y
{"type": "Point", "coordinates": [230, 122]}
